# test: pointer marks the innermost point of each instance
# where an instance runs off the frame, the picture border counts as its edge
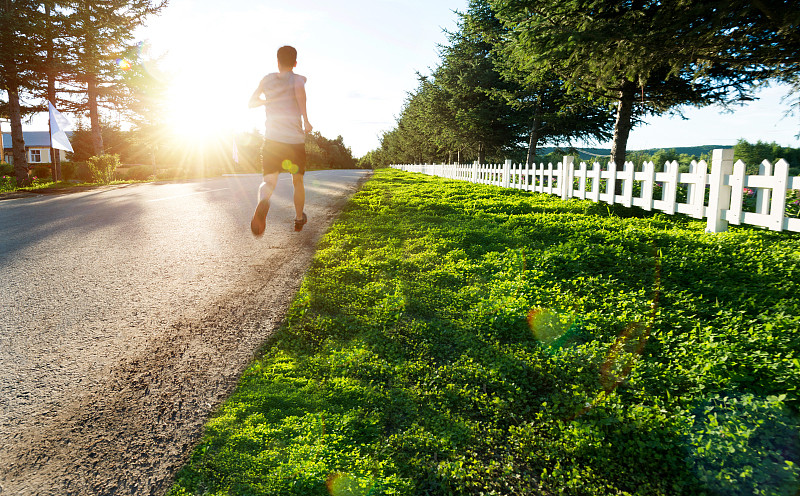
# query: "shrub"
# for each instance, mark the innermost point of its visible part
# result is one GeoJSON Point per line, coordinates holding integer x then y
{"type": "Point", "coordinates": [68, 170]}
{"type": "Point", "coordinates": [139, 173]}
{"type": "Point", "coordinates": [171, 173]}
{"type": "Point", "coordinates": [7, 183]}
{"type": "Point", "coordinates": [82, 172]}
{"type": "Point", "coordinates": [103, 167]}
{"type": "Point", "coordinates": [42, 171]}
{"type": "Point", "coordinates": [6, 169]}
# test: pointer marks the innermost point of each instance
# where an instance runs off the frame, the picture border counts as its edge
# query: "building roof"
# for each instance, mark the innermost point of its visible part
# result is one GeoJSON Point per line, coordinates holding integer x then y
{"type": "Point", "coordinates": [32, 138]}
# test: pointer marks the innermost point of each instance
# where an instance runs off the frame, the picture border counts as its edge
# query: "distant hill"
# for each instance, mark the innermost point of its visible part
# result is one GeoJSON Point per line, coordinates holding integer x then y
{"type": "Point", "coordinates": [587, 153]}
{"type": "Point", "coordinates": [688, 150]}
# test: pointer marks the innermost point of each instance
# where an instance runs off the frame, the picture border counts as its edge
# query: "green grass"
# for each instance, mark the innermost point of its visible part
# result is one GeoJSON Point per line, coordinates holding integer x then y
{"type": "Point", "coordinates": [452, 338]}
{"type": "Point", "coordinates": [45, 184]}
{"type": "Point", "coordinates": [10, 185]}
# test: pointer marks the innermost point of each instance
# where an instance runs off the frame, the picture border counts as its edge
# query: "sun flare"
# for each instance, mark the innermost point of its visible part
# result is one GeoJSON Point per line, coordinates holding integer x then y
{"type": "Point", "coordinates": [201, 108]}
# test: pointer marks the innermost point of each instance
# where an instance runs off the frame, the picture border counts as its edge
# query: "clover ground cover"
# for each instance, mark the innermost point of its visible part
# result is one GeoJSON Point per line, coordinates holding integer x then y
{"type": "Point", "coordinates": [452, 338]}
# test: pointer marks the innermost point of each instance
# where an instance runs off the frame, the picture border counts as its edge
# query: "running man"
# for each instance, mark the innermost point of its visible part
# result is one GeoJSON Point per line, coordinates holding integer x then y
{"type": "Point", "coordinates": [284, 99]}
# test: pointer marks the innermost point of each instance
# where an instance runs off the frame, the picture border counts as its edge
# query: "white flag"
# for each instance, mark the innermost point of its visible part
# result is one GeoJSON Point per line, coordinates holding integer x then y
{"type": "Point", "coordinates": [58, 130]}
{"type": "Point", "coordinates": [235, 152]}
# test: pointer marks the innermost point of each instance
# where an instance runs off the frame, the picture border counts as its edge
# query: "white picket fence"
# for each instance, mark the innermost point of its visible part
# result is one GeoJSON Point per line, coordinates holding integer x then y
{"type": "Point", "coordinates": [724, 186]}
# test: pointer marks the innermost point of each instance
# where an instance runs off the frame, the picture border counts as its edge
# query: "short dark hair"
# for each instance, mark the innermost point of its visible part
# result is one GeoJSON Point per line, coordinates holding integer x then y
{"type": "Point", "coordinates": [287, 56]}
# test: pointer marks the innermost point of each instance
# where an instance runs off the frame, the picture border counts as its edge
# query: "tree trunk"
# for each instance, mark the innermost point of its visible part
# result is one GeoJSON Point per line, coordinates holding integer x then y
{"type": "Point", "coordinates": [533, 137]}
{"type": "Point", "coordinates": [481, 153]}
{"type": "Point", "coordinates": [17, 141]}
{"type": "Point", "coordinates": [94, 117]}
{"type": "Point", "coordinates": [622, 127]}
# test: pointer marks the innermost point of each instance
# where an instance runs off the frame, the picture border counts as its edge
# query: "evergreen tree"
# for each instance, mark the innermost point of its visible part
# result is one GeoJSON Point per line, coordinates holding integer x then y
{"type": "Point", "coordinates": [116, 141]}
{"type": "Point", "coordinates": [21, 22]}
{"type": "Point", "coordinates": [551, 113]}
{"type": "Point", "coordinates": [752, 154]}
{"type": "Point", "coordinates": [373, 160]}
{"type": "Point", "coordinates": [411, 140]}
{"type": "Point", "coordinates": [51, 54]}
{"type": "Point", "coordinates": [147, 86]}
{"type": "Point", "coordinates": [639, 55]}
{"type": "Point", "coordinates": [477, 103]}
{"type": "Point", "coordinates": [102, 42]}
{"type": "Point", "coordinates": [475, 114]}
{"type": "Point", "coordinates": [72, 48]}
{"type": "Point", "coordinates": [758, 38]}
{"type": "Point", "coordinates": [324, 153]}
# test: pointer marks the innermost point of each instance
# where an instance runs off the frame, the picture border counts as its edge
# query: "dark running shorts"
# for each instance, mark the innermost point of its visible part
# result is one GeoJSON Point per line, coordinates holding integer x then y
{"type": "Point", "coordinates": [279, 157]}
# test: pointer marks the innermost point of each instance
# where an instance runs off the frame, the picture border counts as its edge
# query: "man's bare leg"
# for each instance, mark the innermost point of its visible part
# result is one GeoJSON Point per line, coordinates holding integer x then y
{"type": "Point", "coordinates": [299, 195]}
{"type": "Point", "coordinates": [267, 187]}
{"type": "Point", "coordinates": [299, 201]}
{"type": "Point", "coordinates": [265, 190]}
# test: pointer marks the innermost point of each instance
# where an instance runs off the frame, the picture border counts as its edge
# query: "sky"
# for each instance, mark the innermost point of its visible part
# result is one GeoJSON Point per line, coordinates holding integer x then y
{"type": "Point", "coordinates": [361, 58]}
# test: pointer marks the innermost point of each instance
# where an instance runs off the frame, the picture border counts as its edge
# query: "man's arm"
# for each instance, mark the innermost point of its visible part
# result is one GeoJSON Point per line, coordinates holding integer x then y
{"type": "Point", "coordinates": [300, 94]}
{"type": "Point", "coordinates": [256, 100]}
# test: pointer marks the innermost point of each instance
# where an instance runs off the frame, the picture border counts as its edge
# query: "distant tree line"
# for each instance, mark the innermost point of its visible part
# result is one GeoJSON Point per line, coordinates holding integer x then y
{"type": "Point", "coordinates": [752, 154]}
{"type": "Point", "coordinates": [322, 152]}
{"type": "Point", "coordinates": [78, 54]}
{"type": "Point", "coordinates": [520, 73]}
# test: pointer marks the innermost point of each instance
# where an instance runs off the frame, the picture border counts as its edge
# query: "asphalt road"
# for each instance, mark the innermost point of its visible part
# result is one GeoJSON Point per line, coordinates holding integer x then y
{"type": "Point", "coordinates": [127, 315]}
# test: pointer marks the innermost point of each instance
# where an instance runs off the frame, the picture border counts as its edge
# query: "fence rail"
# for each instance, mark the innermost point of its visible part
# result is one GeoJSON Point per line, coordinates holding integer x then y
{"type": "Point", "coordinates": [717, 195]}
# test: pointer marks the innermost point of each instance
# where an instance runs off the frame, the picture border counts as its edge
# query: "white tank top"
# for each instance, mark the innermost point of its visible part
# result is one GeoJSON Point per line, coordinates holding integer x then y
{"type": "Point", "coordinates": [283, 114]}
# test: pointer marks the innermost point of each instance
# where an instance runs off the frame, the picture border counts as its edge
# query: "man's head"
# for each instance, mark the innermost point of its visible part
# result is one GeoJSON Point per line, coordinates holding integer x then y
{"type": "Point", "coordinates": [287, 57]}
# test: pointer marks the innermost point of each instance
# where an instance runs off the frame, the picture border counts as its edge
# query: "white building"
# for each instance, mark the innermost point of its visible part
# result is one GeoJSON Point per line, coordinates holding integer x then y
{"type": "Point", "coordinates": [37, 147]}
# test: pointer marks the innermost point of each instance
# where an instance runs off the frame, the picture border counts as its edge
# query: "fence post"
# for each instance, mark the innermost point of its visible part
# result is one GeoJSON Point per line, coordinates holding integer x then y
{"type": "Point", "coordinates": [648, 184]}
{"type": "Point", "coordinates": [567, 175]}
{"type": "Point", "coordinates": [596, 174]}
{"type": "Point", "coordinates": [736, 182]}
{"type": "Point", "coordinates": [625, 177]}
{"type": "Point", "coordinates": [507, 173]}
{"type": "Point", "coordinates": [611, 184]}
{"type": "Point", "coordinates": [475, 171]}
{"type": "Point", "coordinates": [763, 194]}
{"type": "Point", "coordinates": [777, 211]}
{"type": "Point", "coordinates": [582, 181]}
{"type": "Point", "coordinates": [719, 198]}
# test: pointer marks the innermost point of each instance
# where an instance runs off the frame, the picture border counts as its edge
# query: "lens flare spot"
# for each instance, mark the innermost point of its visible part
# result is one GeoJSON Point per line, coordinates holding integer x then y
{"type": "Point", "coordinates": [623, 355]}
{"type": "Point", "coordinates": [124, 64]}
{"type": "Point", "coordinates": [290, 166]}
{"type": "Point", "coordinates": [345, 485]}
{"type": "Point", "coordinates": [142, 48]}
{"type": "Point", "coordinates": [548, 326]}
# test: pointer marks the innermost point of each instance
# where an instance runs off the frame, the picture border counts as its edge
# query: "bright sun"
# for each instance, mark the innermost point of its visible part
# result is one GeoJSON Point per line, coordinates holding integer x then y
{"type": "Point", "coordinates": [191, 114]}
{"type": "Point", "coordinates": [206, 110]}
{"type": "Point", "coordinates": [210, 78]}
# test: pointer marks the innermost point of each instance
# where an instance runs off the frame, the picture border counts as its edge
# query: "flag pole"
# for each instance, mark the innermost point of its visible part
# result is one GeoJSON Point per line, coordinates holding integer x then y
{"type": "Point", "coordinates": [2, 145]}
{"type": "Point", "coordinates": [58, 136]}
{"type": "Point", "coordinates": [53, 151]}
{"type": "Point", "coordinates": [55, 155]}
